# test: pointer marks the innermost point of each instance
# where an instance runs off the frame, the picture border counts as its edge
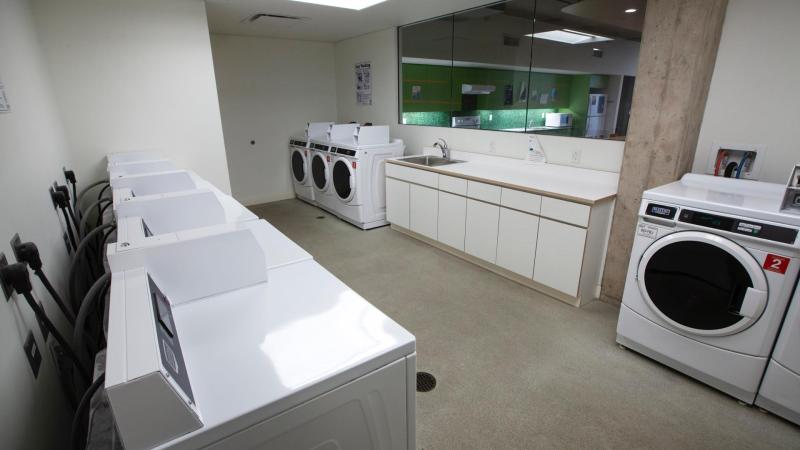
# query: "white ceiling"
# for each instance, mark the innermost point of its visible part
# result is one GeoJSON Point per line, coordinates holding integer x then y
{"type": "Point", "coordinates": [323, 23]}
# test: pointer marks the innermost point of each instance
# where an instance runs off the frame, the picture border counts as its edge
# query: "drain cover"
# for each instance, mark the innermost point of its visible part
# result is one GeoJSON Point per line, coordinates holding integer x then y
{"type": "Point", "coordinates": [425, 382]}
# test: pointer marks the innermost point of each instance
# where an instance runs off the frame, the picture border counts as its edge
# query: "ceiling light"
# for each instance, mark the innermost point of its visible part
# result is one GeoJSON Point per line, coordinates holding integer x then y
{"type": "Point", "coordinates": [349, 4]}
{"type": "Point", "coordinates": [568, 36]}
{"type": "Point", "coordinates": [631, 10]}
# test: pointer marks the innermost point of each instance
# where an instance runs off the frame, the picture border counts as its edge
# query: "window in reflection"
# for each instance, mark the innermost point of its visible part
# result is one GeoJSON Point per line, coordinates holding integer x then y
{"type": "Point", "coordinates": [570, 71]}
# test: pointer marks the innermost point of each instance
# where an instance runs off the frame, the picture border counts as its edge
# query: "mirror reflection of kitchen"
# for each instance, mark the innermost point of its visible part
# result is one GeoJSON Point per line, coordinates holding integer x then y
{"type": "Point", "coordinates": [569, 72]}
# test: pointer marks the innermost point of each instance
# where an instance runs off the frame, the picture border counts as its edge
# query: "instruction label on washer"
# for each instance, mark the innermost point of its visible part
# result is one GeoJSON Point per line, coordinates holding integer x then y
{"type": "Point", "coordinates": [647, 230]}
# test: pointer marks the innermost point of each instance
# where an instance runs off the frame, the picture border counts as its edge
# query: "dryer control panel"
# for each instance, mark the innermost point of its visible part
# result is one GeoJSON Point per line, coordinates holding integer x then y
{"type": "Point", "coordinates": [739, 226]}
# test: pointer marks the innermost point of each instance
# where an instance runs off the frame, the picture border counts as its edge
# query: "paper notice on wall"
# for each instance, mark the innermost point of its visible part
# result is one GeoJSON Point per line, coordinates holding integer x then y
{"type": "Point", "coordinates": [535, 151]}
{"type": "Point", "coordinates": [364, 83]}
{"type": "Point", "coordinates": [4, 106]}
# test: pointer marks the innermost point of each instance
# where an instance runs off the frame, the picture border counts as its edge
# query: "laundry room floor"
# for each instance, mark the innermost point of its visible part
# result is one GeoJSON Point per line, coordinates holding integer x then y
{"type": "Point", "coordinates": [515, 368]}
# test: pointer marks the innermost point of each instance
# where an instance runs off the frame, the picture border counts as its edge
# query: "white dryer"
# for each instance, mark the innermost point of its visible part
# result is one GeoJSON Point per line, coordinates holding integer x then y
{"type": "Point", "coordinates": [780, 388]}
{"type": "Point", "coordinates": [712, 269]}
{"type": "Point", "coordinates": [300, 159]}
{"type": "Point", "coordinates": [321, 162]}
{"type": "Point", "coordinates": [358, 177]}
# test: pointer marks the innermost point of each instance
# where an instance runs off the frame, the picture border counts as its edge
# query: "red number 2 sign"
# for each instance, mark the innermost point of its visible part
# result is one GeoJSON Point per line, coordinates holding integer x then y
{"type": "Point", "coordinates": [776, 263]}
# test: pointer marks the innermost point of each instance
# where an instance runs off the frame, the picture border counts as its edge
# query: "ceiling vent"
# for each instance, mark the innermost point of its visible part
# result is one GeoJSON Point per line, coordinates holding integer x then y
{"type": "Point", "coordinates": [258, 16]}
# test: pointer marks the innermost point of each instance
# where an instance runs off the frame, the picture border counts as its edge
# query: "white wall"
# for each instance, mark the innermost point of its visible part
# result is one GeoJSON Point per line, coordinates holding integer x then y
{"type": "Point", "coordinates": [268, 90]}
{"type": "Point", "coordinates": [33, 412]}
{"type": "Point", "coordinates": [755, 90]}
{"type": "Point", "coordinates": [134, 74]}
{"type": "Point", "coordinates": [381, 49]}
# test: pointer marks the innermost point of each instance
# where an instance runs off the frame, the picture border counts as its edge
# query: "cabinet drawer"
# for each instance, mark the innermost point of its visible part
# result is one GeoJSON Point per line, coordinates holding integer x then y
{"type": "Point", "coordinates": [565, 211]}
{"type": "Point", "coordinates": [482, 191]}
{"type": "Point", "coordinates": [423, 177]}
{"type": "Point", "coordinates": [453, 185]}
{"type": "Point", "coordinates": [522, 201]}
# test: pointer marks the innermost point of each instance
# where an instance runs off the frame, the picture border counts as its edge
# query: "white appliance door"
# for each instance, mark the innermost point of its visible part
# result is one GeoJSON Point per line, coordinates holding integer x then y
{"type": "Point", "coordinates": [299, 165]}
{"type": "Point", "coordinates": [702, 284]}
{"type": "Point", "coordinates": [344, 179]}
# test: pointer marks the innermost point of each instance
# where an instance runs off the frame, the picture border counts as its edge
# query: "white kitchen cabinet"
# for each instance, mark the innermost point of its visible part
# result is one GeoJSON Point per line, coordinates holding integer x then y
{"type": "Point", "coordinates": [516, 241]}
{"type": "Point", "coordinates": [559, 256]}
{"type": "Point", "coordinates": [423, 210]}
{"type": "Point", "coordinates": [480, 239]}
{"type": "Point", "coordinates": [452, 220]}
{"type": "Point", "coordinates": [397, 202]}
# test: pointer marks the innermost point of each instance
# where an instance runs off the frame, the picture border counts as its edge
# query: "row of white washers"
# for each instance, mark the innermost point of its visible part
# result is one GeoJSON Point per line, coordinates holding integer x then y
{"type": "Point", "coordinates": [341, 169]}
{"type": "Point", "coordinates": [711, 288]}
{"type": "Point", "coordinates": [224, 333]}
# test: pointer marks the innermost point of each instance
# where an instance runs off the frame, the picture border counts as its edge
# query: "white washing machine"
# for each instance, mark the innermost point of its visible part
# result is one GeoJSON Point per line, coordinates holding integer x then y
{"type": "Point", "coordinates": [712, 270]}
{"type": "Point", "coordinates": [358, 176]}
{"type": "Point", "coordinates": [780, 388]}
{"type": "Point", "coordinates": [210, 344]}
{"type": "Point", "coordinates": [321, 162]}
{"type": "Point", "coordinates": [300, 159]}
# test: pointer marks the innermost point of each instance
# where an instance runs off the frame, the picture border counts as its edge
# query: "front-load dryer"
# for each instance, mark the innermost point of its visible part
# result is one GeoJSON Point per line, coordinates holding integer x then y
{"type": "Point", "coordinates": [358, 175]}
{"type": "Point", "coordinates": [321, 162]}
{"type": "Point", "coordinates": [712, 269]}
{"type": "Point", "coordinates": [300, 159]}
{"type": "Point", "coordinates": [780, 388]}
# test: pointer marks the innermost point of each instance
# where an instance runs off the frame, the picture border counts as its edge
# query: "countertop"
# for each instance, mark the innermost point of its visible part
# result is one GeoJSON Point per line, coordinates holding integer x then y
{"type": "Point", "coordinates": [574, 184]}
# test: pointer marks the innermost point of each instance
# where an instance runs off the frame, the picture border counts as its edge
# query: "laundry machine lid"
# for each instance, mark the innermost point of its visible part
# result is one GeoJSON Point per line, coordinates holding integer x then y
{"type": "Point", "coordinates": [299, 165]}
{"type": "Point", "coordinates": [343, 179]}
{"type": "Point", "coordinates": [319, 171]}
{"type": "Point", "coordinates": [702, 283]}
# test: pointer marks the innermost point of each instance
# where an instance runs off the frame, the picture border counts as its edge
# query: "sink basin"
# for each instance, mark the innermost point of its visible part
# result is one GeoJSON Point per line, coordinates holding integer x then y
{"type": "Point", "coordinates": [430, 161]}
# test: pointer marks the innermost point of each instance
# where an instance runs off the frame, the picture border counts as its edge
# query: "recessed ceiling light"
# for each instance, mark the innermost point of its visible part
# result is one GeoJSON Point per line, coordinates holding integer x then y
{"type": "Point", "coordinates": [568, 36]}
{"type": "Point", "coordinates": [348, 4]}
{"type": "Point", "coordinates": [631, 10]}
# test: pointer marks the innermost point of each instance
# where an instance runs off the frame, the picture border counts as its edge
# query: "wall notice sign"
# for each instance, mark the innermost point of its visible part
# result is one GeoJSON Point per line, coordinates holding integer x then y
{"type": "Point", "coordinates": [4, 106]}
{"type": "Point", "coordinates": [364, 83]}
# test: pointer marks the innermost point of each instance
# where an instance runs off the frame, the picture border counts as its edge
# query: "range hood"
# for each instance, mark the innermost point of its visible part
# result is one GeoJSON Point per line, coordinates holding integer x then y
{"type": "Point", "coordinates": [476, 89]}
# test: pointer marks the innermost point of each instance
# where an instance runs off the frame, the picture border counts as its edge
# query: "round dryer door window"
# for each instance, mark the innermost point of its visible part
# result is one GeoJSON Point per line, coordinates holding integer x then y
{"type": "Point", "coordinates": [299, 166]}
{"type": "Point", "coordinates": [343, 179]}
{"type": "Point", "coordinates": [702, 283]}
{"type": "Point", "coordinates": [319, 171]}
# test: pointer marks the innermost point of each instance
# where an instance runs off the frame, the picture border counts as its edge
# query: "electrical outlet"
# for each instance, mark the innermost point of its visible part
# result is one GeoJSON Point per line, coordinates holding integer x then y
{"type": "Point", "coordinates": [67, 243]}
{"type": "Point", "coordinates": [7, 290]}
{"type": "Point", "coordinates": [33, 354]}
{"type": "Point", "coordinates": [575, 157]}
{"type": "Point", "coordinates": [15, 243]}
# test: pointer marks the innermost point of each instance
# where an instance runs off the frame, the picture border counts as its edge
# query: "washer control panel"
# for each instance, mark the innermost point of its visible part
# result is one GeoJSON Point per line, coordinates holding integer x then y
{"type": "Point", "coordinates": [744, 227]}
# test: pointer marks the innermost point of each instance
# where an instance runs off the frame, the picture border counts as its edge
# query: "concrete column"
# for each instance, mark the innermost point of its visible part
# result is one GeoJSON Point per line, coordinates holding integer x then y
{"type": "Point", "coordinates": [676, 60]}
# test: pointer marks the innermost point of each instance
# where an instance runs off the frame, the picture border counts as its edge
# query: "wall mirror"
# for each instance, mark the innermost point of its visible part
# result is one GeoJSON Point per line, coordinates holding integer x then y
{"type": "Point", "coordinates": [559, 67]}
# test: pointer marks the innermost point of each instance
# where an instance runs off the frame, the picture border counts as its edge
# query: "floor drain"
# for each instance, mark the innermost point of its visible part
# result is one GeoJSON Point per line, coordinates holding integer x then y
{"type": "Point", "coordinates": [320, 217]}
{"type": "Point", "coordinates": [425, 382]}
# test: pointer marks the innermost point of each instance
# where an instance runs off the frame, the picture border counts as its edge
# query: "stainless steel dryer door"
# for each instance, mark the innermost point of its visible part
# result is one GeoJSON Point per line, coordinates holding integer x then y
{"type": "Point", "coordinates": [702, 283]}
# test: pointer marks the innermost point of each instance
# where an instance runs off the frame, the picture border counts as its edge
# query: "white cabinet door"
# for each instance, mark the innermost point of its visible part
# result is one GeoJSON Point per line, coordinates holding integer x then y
{"type": "Point", "coordinates": [423, 210]}
{"type": "Point", "coordinates": [397, 202]}
{"type": "Point", "coordinates": [452, 220]}
{"type": "Point", "coordinates": [481, 235]}
{"type": "Point", "coordinates": [516, 241]}
{"type": "Point", "coordinates": [559, 256]}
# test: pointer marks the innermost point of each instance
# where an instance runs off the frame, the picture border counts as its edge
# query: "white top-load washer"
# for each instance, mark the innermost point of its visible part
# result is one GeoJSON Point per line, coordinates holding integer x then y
{"type": "Point", "coordinates": [712, 269]}
{"type": "Point", "coordinates": [358, 175]}
{"type": "Point", "coordinates": [780, 388]}
{"type": "Point", "coordinates": [159, 214]}
{"type": "Point", "coordinates": [211, 345]}
{"type": "Point", "coordinates": [112, 159]}
{"type": "Point", "coordinates": [300, 159]}
{"type": "Point", "coordinates": [140, 167]}
{"type": "Point", "coordinates": [129, 186]}
{"type": "Point", "coordinates": [321, 161]}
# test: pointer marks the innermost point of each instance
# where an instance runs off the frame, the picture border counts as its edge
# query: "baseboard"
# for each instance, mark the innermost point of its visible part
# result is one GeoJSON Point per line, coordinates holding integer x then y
{"type": "Point", "coordinates": [261, 199]}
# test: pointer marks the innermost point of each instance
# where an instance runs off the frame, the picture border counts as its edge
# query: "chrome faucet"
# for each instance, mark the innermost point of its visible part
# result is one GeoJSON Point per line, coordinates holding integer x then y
{"type": "Point", "coordinates": [441, 144]}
